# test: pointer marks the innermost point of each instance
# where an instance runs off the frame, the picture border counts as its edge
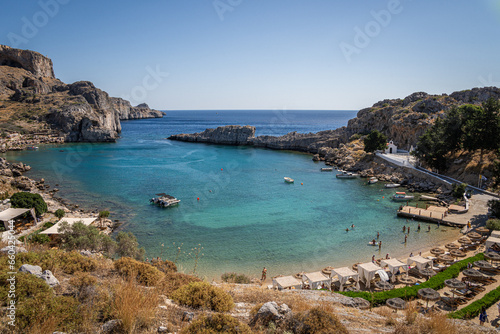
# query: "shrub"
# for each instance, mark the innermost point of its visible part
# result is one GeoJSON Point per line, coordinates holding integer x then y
{"type": "Point", "coordinates": [494, 206]}
{"type": "Point", "coordinates": [318, 320]}
{"type": "Point", "coordinates": [68, 262]}
{"type": "Point", "coordinates": [165, 266]}
{"type": "Point", "coordinates": [134, 306]}
{"type": "Point", "coordinates": [375, 141]}
{"type": "Point", "coordinates": [128, 246]}
{"type": "Point", "coordinates": [217, 323]}
{"type": "Point", "coordinates": [235, 278]}
{"type": "Point", "coordinates": [40, 238]}
{"type": "Point", "coordinates": [81, 236]}
{"type": "Point", "coordinates": [174, 281]}
{"type": "Point", "coordinates": [355, 136]}
{"type": "Point", "coordinates": [144, 273]}
{"type": "Point", "coordinates": [459, 190]}
{"type": "Point", "coordinates": [82, 280]}
{"type": "Point", "coordinates": [493, 224]}
{"type": "Point", "coordinates": [203, 295]}
{"type": "Point", "coordinates": [29, 201]}
{"type": "Point", "coordinates": [47, 225]}
{"type": "Point", "coordinates": [27, 286]}
{"type": "Point", "coordinates": [59, 213]}
{"type": "Point", "coordinates": [71, 262]}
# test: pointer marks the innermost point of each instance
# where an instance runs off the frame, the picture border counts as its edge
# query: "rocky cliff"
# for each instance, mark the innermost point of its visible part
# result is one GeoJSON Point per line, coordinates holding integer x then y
{"type": "Point", "coordinates": [224, 135]}
{"type": "Point", "coordinates": [32, 100]}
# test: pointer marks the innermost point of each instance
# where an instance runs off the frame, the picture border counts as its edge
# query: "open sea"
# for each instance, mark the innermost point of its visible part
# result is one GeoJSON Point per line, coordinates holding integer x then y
{"type": "Point", "coordinates": [246, 217]}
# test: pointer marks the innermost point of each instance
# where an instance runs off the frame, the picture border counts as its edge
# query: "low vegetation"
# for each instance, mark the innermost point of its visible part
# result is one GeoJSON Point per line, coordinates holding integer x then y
{"type": "Point", "coordinates": [493, 224]}
{"type": "Point", "coordinates": [29, 201]}
{"type": "Point", "coordinates": [317, 320]}
{"type": "Point", "coordinates": [128, 246]}
{"type": "Point", "coordinates": [494, 206]}
{"type": "Point", "coordinates": [79, 236]}
{"type": "Point", "coordinates": [205, 296]}
{"type": "Point", "coordinates": [217, 323]}
{"type": "Point", "coordinates": [142, 272]}
{"type": "Point", "coordinates": [374, 141]}
{"type": "Point", "coordinates": [235, 278]}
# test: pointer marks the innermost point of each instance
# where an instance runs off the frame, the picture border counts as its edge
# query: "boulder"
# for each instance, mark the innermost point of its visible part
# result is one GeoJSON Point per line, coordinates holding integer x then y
{"type": "Point", "coordinates": [188, 316]}
{"type": "Point", "coordinates": [49, 278]}
{"type": "Point", "coordinates": [111, 326]}
{"type": "Point", "coordinates": [270, 311]}
{"type": "Point", "coordinates": [30, 269]}
{"type": "Point", "coordinates": [162, 329]}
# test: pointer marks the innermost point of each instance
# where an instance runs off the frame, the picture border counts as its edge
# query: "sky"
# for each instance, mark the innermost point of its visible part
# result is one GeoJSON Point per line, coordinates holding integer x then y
{"type": "Point", "coordinates": [262, 54]}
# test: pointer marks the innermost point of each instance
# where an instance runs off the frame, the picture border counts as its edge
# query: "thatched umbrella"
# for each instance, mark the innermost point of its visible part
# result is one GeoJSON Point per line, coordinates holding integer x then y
{"type": "Point", "coordinates": [384, 285]}
{"type": "Point", "coordinates": [492, 256]}
{"type": "Point", "coordinates": [464, 240]}
{"type": "Point", "coordinates": [396, 303]}
{"type": "Point", "coordinates": [445, 258]}
{"type": "Point", "coordinates": [360, 303]}
{"type": "Point", "coordinates": [427, 272]}
{"type": "Point", "coordinates": [452, 246]}
{"type": "Point", "coordinates": [474, 235]}
{"type": "Point", "coordinates": [482, 230]}
{"type": "Point", "coordinates": [457, 253]}
{"type": "Point", "coordinates": [454, 284]}
{"type": "Point", "coordinates": [327, 271]}
{"type": "Point", "coordinates": [355, 266]}
{"type": "Point", "coordinates": [472, 273]}
{"type": "Point", "coordinates": [299, 275]}
{"type": "Point", "coordinates": [428, 294]}
{"type": "Point", "coordinates": [407, 280]}
{"type": "Point", "coordinates": [483, 264]}
{"type": "Point", "coordinates": [437, 251]}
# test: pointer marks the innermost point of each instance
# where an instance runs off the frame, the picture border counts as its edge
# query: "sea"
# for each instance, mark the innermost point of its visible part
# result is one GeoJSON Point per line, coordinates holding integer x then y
{"type": "Point", "coordinates": [236, 212]}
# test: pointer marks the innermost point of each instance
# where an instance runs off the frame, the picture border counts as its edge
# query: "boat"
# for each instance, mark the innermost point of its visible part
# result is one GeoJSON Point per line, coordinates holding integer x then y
{"type": "Point", "coordinates": [163, 200]}
{"type": "Point", "coordinates": [327, 169]}
{"type": "Point", "coordinates": [32, 148]}
{"type": "Point", "coordinates": [392, 185]}
{"type": "Point", "coordinates": [288, 179]}
{"type": "Point", "coordinates": [346, 175]}
{"type": "Point", "coordinates": [372, 180]}
{"type": "Point", "coordinates": [401, 197]}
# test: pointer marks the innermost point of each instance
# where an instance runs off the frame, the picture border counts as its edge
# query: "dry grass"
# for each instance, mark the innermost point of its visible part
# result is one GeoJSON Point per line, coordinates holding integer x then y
{"type": "Point", "coordinates": [134, 305]}
{"type": "Point", "coordinates": [433, 323]}
{"type": "Point", "coordinates": [174, 281]}
{"type": "Point", "coordinates": [389, 315]}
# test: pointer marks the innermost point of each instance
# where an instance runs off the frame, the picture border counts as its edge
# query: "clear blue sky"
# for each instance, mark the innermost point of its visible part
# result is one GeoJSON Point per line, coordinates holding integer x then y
{"type": "Point", "coordinates": [263, 54]}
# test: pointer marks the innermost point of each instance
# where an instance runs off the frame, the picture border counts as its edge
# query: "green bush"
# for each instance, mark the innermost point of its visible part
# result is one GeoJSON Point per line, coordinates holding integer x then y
{"type": "Point", "coordinates": [494, 206]}
{"type": "Point", "coordinates": [165, 266]}
{"type": "Point", "coordinates": [459, 190]}
{"type": "Point", "coordinates": [473, 310]}
{"type": "Point", "coordinates": [59, 213]}
{"type": "Point", "coordinates": [144, 273]}
{"type": "Point", "coordinates": [40, 238]}
{"type": "Point", "coordinates": [29, 201]}
{"type": "Point", "coordinates": [235, 278]}
{"type": "Point", "coordinates": [217, 323]}
{"type": "Point", "coordinates": [317, 320]}
{"type": "Point", "coordinates": [80, 236]}
{"type": "Point", "coordinates": [128, 246]}
{"type": "Point", "coordinates": [204, 295]}
{"type": "Point", "coordinates": [27, 286]}
{"type": "Point", "coordinates": [68, 262]}
{"type": "Point", "coordinates": [174, 281]}
{"type": "Point", "coordinates": [493, 224]}
{"type": "Point", "coordinates": [436, 282]}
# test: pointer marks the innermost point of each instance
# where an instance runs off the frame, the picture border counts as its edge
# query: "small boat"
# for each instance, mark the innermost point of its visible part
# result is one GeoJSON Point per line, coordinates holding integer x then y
{"type": "Point", "coordinates": [327, 169]}
{"type": "Point", "coordinates": [392, 185]}
{"type": "Point", "coordinates": [346, 175]}
{"type": "Point", "coordinates": [32, 148]}
{"type": "Point", "coordinates": [372, 180]}
{"type": "Point", "coordinates": [401, 197]}
{"type": "Point", "coordinates": [288, 179]}
{"type": "Point", "coordinates": [163, 200]}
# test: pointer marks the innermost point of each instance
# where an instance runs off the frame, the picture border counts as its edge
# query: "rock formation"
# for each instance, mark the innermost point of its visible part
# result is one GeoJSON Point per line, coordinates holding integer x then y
{"type": "Point", "coordinates": [225, 135]}
{"type": "Point", "coordinates": [80, 112]}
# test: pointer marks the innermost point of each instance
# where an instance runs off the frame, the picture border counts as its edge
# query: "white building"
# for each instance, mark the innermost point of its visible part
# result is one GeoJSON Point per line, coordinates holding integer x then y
{"type": "Point", "coordinates": [391, 148]}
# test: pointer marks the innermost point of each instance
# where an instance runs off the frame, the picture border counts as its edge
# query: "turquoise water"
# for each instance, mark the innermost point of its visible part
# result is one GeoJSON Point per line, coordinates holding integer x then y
{"type": "Point", "coordinates": [246, 217]}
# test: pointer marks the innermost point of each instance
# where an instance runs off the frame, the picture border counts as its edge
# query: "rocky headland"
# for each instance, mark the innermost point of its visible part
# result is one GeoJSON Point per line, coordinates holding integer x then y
{"type": "Point", "coordinates": [34, 101]}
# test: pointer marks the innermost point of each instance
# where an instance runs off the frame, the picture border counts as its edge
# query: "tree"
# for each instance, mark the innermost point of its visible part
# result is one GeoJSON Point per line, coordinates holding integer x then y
{"type": "Point", "coordinates": [59, 213]}
{"type": "Point", "coordinates": [128, 246]}
{"type": "Point", "coordinates": [494, 206]}
{"type": "Point", "coordinates": [459, 190]}
{"type": "Point", "coordinates": [375, 140]}
{"type": "Point", "coordinates": [80, 236]}
{"type": "Point", "coordinates": [103, 215]}
{"type": "Point", "coordinates": [432, 147]}
{"type": "Point", "coordinates": [29, 201]}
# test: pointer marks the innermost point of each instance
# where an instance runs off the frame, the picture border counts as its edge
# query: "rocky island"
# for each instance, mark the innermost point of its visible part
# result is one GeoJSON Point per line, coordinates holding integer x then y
{"type": "Point", "coordinates": [34, 101]}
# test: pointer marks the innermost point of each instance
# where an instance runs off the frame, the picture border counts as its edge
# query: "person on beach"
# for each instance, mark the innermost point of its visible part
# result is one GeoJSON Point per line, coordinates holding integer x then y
{"type": "Point", "coordinates": [379, 245]}
{"type": "Point", "coordinates": [387, 256]}
{"type": "Point", "coordinates": [418, 228]}
{"type": "Point", "coordinates": [408, 229]}
{"type": "Point", "coordinates": [373, 259]}
{"type": "Point", "coordinates": [411, 255]}
{"type": "Point", "coordinates": [352, 226]}
{"type": "Point", "coordinates": [404, 229]}
{"type": "Point", "coordinates": [406, 237]}
{"type": "Point", "coordinates": [428, 228]}
{"type": "Point", "coordinates": [483, 317]}
{"type": "Point", "coordinates": [264, 274]}
{"type": "Point", "coordinates": [374, 242]}
{"type": "Point", "coordinates": [347, 229]}
{"type": "Point", "coordinates": [378, 235]}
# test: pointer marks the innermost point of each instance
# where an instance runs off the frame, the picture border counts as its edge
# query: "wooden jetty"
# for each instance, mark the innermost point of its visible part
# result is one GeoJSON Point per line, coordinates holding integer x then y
{"type": "Point", "coordinates": [432, 214]}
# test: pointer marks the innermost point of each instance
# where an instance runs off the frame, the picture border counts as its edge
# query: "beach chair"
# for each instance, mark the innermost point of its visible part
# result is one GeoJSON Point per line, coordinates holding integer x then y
{"type": "Point", "coordinates": [467, 294]}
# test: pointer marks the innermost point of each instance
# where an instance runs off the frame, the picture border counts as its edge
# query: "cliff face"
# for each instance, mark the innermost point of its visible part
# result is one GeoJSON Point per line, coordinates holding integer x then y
{"type": "Point", "coordinates": [225, 135]}
{"type": "Point", "coordinates": [30, 92]}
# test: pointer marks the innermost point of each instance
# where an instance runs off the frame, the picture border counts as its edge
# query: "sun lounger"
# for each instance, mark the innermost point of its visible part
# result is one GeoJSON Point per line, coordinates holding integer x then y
{"type": "Point", "coordinates": [465, 293]}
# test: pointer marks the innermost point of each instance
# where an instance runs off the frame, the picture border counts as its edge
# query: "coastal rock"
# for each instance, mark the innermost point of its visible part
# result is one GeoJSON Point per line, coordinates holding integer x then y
{"type": "Point", "coordinates": [49, 278]}
{"type": "Point", "coordinates": [126, 111]}
{"type": "Point", "coordinates": [30, 269]}
{"type": "Point", "coordinates": [32, 61]}
{"type": "Point", "coordinates": [226, 135]}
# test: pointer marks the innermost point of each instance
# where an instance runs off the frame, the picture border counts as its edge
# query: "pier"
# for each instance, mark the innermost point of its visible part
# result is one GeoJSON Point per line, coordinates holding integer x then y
{"type": "Point", "coordinates": [432, 214]}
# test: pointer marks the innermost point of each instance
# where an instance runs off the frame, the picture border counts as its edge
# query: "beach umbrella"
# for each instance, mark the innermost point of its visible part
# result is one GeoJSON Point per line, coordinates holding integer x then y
{"type": "Point", "coordinates": [299, 275]}
{"type": "Point", "coordinates": [454, 284]}
{"type": "Point", "coordinates": [384, 285]}
{"type": "Point", "coordinates": [492, 256]}
{"type": "Point", "coordinates": [464, 240]}
{"type": "Point", "coordinates": [427, 272]}
{"type": "Point", "coordinates": [360, 303]}
{"type": "Point", "coordinates": [472, 273]}
{"type": "Point", "coordinates": [355, 266]}
{"type": "Point", "coordinates": [327, 271]}
{"type": "Point", "coordinates": [428, 294]}
{"type": "Point", "coordinates": [437, 251]}
{"type": "Point", "coordinates": [396, 303]}
{"type": "Point", "coordinates": [483, 264]}
{"type": "Point", "coordinates": [482, 230]}
{"type": "Point", "coordinates": [457, 253]}
{"type": "Point", "coordinates": [445, 258]}
{"type": "Point", "coordinates": [452, 246]}
{"type": "Point", "coordinates": [474, 235]}
{"type": "Point", "coordinates": [407, 280]}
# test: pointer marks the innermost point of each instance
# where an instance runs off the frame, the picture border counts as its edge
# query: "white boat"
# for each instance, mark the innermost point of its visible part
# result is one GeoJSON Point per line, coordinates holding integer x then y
{"type": "Point", "coordinates": [288, 179]}
{"type": "Point", "coordinates": [163, 200]}
{"type": "Point", "coordinates": [392, 185]}
{"type": "Point", "coordinates": [346, 175]}
{"type": "Point", "coordinates": [402, 197]}
{"type": "Point", "coordinates": [372, 180]}
{"type": "Point", "coordinates": [327, 169]}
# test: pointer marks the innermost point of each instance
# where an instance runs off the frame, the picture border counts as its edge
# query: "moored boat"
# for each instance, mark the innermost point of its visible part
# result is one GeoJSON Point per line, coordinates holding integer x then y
{"type": "Point", "coordinates": [288, 179]}
{"type": "Point", "coordinates": [327, 169]}
{"type": "Point", "coordinates": [402, 196]}
{"type": "Point", "coordinates": [32, 148]}
{"type": "Point", "coordinates": [346, 175]}
{"type": "Point", "coordinates": [372, 180]}
{"type": "Point", "coordinates": [163, 200]}
{"type": "Point", "coordinates": [392, 185]}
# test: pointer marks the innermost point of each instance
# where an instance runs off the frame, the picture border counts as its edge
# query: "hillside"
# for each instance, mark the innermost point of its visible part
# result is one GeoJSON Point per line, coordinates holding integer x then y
{"type": "Point", "coordinates": [33, 100]}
